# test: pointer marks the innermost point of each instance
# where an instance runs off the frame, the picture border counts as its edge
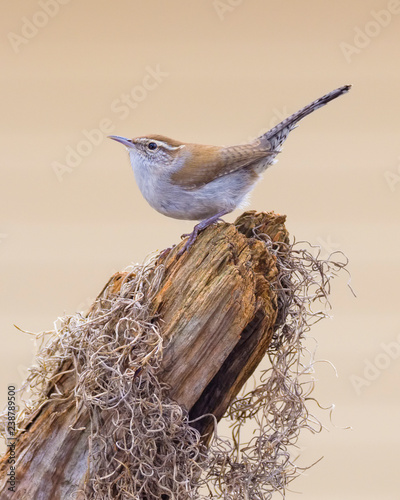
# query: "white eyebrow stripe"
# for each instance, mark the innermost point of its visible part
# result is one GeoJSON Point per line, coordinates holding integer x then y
{"type": "Point", "coordinates": [146, 140]}
{"type": "Point", "coordinates": [168, 146]}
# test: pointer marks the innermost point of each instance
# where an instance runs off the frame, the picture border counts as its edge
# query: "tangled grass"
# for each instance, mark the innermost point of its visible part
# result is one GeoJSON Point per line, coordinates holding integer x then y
{"type": "Point", "coordinates": [278, 406]}
{"type": "Point", "coordinates": [141, 443]}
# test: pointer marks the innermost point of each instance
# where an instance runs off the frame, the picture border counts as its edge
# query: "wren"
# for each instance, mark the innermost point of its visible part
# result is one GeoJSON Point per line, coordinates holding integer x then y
{"type": "Point", "coordinates": [199, 182]}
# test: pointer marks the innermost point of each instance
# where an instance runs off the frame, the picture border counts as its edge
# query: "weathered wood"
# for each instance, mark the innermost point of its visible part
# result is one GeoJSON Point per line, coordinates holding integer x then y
{"type": "Point", "coordinates": [217, 308]}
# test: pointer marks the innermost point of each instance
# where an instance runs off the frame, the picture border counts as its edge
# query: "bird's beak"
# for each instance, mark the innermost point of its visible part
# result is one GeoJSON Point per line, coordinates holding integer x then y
{"type": "Point", "coordinates": [126, 142]}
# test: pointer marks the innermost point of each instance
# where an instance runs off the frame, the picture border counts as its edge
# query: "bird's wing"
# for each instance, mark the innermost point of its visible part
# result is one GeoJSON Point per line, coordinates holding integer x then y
{"type": "Point", "coordinates": [207, 163]}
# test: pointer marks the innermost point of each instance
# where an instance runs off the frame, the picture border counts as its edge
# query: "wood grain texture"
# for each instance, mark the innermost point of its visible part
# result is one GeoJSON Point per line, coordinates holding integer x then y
{"type": "Point", "coordinates": [217, 308]}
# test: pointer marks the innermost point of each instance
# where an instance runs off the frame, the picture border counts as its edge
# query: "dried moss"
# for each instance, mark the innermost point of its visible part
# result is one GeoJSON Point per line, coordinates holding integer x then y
{"type": "Point", "coordinates": [142, 445]}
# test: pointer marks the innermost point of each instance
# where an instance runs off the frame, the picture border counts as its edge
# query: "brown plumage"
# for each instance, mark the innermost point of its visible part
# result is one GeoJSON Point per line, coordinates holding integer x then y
{"type": "Point", "coordinates": [199, 182]}
{"type": "Point", "coordinates": [207, 163]}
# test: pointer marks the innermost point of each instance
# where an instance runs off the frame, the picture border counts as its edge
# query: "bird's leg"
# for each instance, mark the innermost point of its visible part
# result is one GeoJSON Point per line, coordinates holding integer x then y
{"type": "Point", "coordinates": [198, 228]}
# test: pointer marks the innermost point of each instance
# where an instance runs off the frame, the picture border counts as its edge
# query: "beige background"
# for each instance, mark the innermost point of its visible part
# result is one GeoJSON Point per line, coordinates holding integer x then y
{"type": "Point", "coordinates": [229, 69]}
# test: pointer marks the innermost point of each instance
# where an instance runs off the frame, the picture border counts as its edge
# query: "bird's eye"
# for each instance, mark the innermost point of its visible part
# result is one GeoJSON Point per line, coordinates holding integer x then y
{"type": "Point", "coordinates": [152, 146]}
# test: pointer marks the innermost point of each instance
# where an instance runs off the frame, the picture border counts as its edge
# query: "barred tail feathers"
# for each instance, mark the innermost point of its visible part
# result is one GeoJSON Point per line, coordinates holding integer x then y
{"type": "Point", "coordinates": [277, 135]}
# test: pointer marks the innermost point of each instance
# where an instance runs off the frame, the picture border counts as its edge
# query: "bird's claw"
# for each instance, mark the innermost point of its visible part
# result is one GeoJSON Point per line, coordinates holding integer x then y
{"type": "Point", "coordinates": [191, 239]}
{"type": "Point", "coordinates": [197, 229]}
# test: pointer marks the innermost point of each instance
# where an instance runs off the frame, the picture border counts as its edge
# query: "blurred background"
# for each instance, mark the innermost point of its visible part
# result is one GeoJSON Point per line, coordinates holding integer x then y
{"type": "Point", "coordinates": [213, 72]}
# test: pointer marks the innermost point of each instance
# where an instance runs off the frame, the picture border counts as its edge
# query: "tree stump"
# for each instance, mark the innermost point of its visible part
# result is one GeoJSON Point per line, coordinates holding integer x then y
{"type": "Point", "coordinates": [216, 307]}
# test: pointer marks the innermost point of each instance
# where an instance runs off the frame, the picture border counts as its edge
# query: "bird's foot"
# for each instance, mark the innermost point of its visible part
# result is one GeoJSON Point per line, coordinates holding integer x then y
{"type": "Point", "coordinates": [192, 238]}
{"type": "Point", "coordinates": [197, 229]}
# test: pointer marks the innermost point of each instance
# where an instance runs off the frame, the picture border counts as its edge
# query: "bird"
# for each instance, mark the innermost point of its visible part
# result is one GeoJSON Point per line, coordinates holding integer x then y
{"type": "Point", "coordinates": [201, 182]}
